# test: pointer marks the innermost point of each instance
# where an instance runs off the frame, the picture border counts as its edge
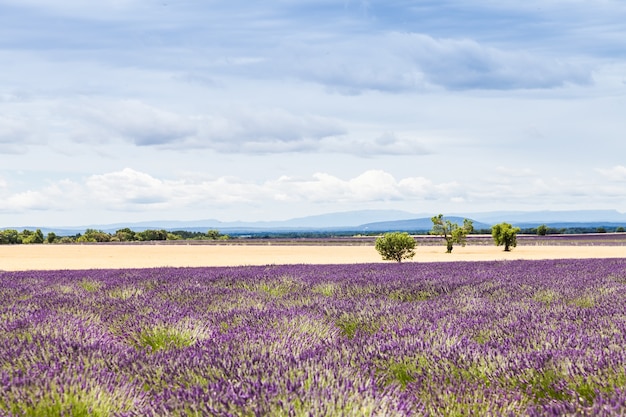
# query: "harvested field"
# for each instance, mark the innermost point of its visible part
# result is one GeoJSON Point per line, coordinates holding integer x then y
{"type": "Point", "coordinates": [45, 257]}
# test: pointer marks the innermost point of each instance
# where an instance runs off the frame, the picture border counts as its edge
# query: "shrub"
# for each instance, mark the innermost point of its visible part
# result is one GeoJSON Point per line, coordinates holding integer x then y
{"type": "Point", "coordinates": [396, 246]}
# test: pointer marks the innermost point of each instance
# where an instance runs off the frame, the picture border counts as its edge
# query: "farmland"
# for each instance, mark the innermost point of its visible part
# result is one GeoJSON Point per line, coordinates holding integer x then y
{"type": "Point", "coordinates": [503, 337]}
{"type": "Point", "coordinates": [296, 251]}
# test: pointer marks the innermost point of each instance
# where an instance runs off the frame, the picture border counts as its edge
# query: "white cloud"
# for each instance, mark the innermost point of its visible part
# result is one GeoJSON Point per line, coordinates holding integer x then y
{"type": "Point", "coordinates": [15, 135]}
{"type": "Point", "coordinates": [246, 129]}
{"type": "Point", "coordinates": [230, 130]}
{"type": "Point", "coordinates": [373, 185]}
{"type": "Point", "coordinates": [61, 195]}
{"type": "Point", "coordinates": [541, 192]}
{"type": "Point", "coordinates": [466, 64]}
{"type": "Point", "coordinates": [514, 172]}
{"type": "Point", "coordinates": [132, 190]}
{"type": "Point", "coordinates": [414, 61]}
{"type": "Point", "coordinates": [128, 187]}
{"type": "Point", "coordinates": [245, 94]}
{"type": "Point", "coordinates": [370, 186]}
{"type": "Point", "coordinates": [137, 122]}
{"type": "Point", "coordinates": [617, 173]}
{"type": "Point", "coordinates": [420, 187]}
{"type": "Point", "coordinates": [394, 143]}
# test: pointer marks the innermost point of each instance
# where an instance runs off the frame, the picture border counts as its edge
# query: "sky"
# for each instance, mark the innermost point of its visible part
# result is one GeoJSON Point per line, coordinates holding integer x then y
{"type": "Point", "coordinates": [130, 110]}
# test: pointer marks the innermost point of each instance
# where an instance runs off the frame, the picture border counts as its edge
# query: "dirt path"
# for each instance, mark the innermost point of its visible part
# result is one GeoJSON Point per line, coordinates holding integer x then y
{"type": "Point", "coordinates": [42, 257]}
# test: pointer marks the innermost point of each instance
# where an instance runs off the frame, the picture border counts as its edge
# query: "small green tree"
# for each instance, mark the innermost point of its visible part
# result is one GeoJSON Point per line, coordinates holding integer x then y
{"type": "Point", "coordinates": [52, 237]}
{"type": "Point", "coordinates": [542, 230]}
{"type": "Point", "coordinates": [395, 246]}
{"type": "Point", "coordinates": [93, 235]}
{"type": "Point", "coordinates": [29, 236]}
{"type": "Point", "coordinates": [505, 234]}
{"type": "Point", "coordinates": [213, 234]}
{"type": "Point", "coordinates": [10, 237]}
{"type": "Point", "coordinates": [151, 234]}
{"type": "Point", "coordinates": [125, 235]}
{"type": "Point", "coordinates": [451, 232]}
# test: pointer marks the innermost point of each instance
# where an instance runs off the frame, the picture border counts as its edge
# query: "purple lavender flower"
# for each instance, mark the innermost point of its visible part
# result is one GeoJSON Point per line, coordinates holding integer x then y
{"type": "Point", "coordinates": [466, 338]}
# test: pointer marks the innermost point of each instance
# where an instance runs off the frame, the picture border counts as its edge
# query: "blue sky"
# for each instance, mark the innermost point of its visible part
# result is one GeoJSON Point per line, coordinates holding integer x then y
{"type": "Point", "coordinates": [127, 110]}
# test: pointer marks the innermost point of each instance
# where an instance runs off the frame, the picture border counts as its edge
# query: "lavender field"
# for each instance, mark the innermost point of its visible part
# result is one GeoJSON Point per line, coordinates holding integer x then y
{"type": "Point", "coordinates": [441, 339]}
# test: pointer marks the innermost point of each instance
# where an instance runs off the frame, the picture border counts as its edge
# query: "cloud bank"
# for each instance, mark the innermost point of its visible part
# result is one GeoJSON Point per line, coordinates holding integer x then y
{"type": "Point", "coordinates": [129, 190]}
{"type": "Point", "coordinates": [277, 108]}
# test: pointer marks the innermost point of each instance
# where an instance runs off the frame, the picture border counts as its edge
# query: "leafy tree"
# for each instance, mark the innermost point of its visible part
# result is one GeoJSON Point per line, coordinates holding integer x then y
{"type": "Point", "coordinates": [395, 246]}
{"type": "Point", "coordinates": [125, 235]}
{"type": "Point", "coordinates": [505, 234]}
{"type": "Point", "coordinates": [216, 235]}
{"type": "Point", "coordinates": [185, 234]}
{"type": "Point", "coordinates": [542, 230]}
{"type": "Point", "coordinates": [28, 236]}
{"type": "Point", "coordinates": [147, 235]}
{"type": "Point", "coordinates": [93, 235]}
{"type": "Point", "coordinates": [52, 237]}
{"type": "Point", "coordinates": [451, 232]}
{"type": "Point", "coordinates": [85, 239]}
{"type": "Point", "coordinates": [620, 229]}
{"type": "Point", "coordinates": [213, 234]}
{"type": "Point", "coordinates": [25, 235]}
{"type": "Point", "coordinates": [10, 237]}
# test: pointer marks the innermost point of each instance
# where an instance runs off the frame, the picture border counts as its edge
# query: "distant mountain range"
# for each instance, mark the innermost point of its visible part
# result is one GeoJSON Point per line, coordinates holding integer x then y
{"type": "Point", "coordinates": [546, 216]}
{"type": "Point", "coordinates": [367, 221]}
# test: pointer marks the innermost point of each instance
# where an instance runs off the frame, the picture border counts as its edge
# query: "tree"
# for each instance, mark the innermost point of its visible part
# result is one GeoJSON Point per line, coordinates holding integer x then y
{"type": "Point", "coordinates": [125, 235]}
{"type": "Point", "coordinates": [542, 230]}
{"type": "Point", "coordinates": [51, 238]}
{"type": "Point", "coordinates": [93, 235]}
{"type": "Point", "coordinates": [213, 234]}
{"type": "Point", "coordinates": [505, 234]}
{"type": "Point", "coordinates": [451, 232]}
{"type": "Point", "coordinates": [29, 236]}
{"type": "Point", "coordinates": [37, 237]}
{"type": "Point", "coordinates": [395, 246]}
{"type": "Point", "coordinates": [10, 237]}
{"type": "Point", "coordinates": [151, 234]}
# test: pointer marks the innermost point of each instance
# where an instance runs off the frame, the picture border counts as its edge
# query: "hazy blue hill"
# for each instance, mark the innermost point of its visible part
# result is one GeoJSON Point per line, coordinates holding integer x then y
{"type": "Point", "coordinates": [348, 218]}
{"type": "Point", "coordinates": [420, 224]}
{"type": "Point", "coordinates": [366, 220]}
{"type": "Point", "coordinates": [548, 216]}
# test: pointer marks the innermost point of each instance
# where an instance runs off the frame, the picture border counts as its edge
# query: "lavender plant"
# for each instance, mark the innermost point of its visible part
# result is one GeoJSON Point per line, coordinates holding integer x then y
{"type": "Point", "coordinates": [455, 339]}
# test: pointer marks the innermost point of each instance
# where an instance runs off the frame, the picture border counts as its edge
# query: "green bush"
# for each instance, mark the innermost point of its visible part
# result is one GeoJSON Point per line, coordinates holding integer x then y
{"type": "Point", "coordinates": [396, 246]}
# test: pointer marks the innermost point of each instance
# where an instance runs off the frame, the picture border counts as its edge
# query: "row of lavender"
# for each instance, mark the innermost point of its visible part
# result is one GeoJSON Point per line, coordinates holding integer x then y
{"type": "Point", "coordinates": [483, 338]}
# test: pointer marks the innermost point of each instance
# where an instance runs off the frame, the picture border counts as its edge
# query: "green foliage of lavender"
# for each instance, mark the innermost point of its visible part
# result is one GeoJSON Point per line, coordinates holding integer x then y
{"type": "Point", "coordinates": [452, 339]}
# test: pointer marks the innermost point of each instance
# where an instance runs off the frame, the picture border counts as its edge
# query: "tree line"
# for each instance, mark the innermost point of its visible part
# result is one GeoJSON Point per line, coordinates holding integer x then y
{"type": "Point", "coordinates": [450, 234]}
{"type": "Point", "coordinates": [14, 237]}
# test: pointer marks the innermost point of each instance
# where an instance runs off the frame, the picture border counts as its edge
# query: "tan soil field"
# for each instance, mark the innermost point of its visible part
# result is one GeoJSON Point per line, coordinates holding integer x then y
{"type": "Point", "coordinates": [49, 257]}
